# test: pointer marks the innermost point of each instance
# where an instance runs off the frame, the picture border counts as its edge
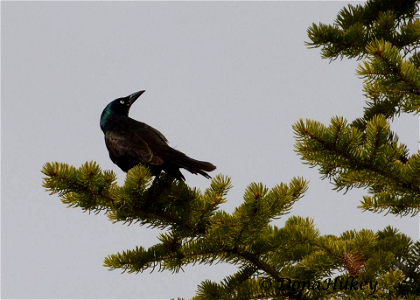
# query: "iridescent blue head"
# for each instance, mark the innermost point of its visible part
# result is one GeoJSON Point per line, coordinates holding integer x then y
{"type": "Point", "coordinates": [120, 107]}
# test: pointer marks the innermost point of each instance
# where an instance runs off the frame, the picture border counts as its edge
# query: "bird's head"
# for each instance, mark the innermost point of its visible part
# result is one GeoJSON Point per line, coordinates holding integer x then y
{"type": "Point", "coordinates": [121, 106]}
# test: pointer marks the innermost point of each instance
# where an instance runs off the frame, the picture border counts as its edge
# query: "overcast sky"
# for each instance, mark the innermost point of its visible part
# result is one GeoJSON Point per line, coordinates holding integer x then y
{"type": "Point", "coordinates": [225, 81]}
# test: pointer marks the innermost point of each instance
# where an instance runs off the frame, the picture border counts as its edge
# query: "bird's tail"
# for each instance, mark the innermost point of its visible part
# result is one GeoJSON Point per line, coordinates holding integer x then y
{"type": "Point", "coordinates": [192, 165]}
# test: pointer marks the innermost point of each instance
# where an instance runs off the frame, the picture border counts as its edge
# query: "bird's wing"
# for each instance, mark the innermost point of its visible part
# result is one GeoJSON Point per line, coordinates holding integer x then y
{"type": "Point", "coordinates": [131, 146]}
{"type": "Point", "coordinates": [151, 132]}
{"type": "Point", "coordinates": [158, 133]}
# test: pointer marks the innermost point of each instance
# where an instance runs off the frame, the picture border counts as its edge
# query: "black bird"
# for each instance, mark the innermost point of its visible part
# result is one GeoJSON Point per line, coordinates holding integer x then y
{"type": "Point", "coordinates": [131, 142]}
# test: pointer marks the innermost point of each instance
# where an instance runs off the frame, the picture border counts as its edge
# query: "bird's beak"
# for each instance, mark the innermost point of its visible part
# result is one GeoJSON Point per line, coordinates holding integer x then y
{"type": "Point", "coordinates": [133, 97]}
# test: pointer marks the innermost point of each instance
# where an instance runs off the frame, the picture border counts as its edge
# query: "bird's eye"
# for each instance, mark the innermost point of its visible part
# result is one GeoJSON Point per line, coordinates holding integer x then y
{"type": "Point", "coordinates": [122, 101]}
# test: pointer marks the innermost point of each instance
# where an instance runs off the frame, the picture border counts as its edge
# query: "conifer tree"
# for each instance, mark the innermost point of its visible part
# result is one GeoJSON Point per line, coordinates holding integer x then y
{"type": "Point", "coordinates": [294, 261]}
{"type": "Point", "coordinates": [365, 153]}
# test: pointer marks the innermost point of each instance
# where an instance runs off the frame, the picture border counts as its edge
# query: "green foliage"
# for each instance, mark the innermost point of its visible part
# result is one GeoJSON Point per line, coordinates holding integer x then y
{"type": "Point", "coordinates": [356, 26]}
{"type": "Point", "coordinates": [198, 231]}
{"type": "Point", "coordinates": [163, 202]}
{"type": "Point", "coordinates": [366, 153]}
{"type": "Point", "coordinates": [371, 159]}
{"type": "Point", "coordinates": [392, 83]}
{"type": "Point", "coordinates": [87, 187]}
{"type": "Point", "coordinates": [387, 33]}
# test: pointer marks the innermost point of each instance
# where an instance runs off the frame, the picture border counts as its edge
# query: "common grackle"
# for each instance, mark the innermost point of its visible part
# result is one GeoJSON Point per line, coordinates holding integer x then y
{"type": "Point", "coordinates": [131, 142]}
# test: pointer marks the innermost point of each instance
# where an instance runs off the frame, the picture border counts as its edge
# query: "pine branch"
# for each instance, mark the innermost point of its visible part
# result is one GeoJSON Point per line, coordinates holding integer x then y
{"type": "Point", "coordinates": [163, 202]}
{"type": "Point", "coordinates": [87, 187]}
{"type": "Point", "coordinates": [228, 236]}
{"type": "Point", "coordinates": [357, 26]}
{"type": "Point", "coordinates": [355, 159]}
{"type": "Point", "coordinates": [390, 79]}
{"type": "Point", "coordinates": [199, 232]}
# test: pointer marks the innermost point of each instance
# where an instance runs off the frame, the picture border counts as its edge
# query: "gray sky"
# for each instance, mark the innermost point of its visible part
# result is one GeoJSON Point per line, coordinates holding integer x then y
{"type": "Point", "coordinates": [225, 82]}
